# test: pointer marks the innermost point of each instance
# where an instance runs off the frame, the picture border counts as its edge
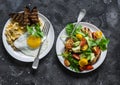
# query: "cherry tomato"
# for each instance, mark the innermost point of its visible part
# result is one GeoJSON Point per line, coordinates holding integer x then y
{"type": "Point", "coordinates": [83, 42]}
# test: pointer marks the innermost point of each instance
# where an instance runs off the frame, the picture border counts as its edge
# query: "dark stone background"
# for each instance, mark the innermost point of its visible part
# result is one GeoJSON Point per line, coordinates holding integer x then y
{"type": "Point", "coordinates": [103, 13]}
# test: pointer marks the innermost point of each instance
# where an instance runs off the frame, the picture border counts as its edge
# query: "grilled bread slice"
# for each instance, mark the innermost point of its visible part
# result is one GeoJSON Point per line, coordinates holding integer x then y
{"type": "Point", "coordinates": [26, 20]}
{"type": "Point", "coordinates": [34, 15]}
{"type": "Point", "coordinates": [27, 17]}
{"type": "Point", "coordinates": [18, 17]}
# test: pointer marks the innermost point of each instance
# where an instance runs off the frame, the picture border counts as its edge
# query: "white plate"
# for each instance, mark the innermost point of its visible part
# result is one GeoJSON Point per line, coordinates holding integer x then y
{"type": "Point", "coordinates": [19, 55]}
{"type": "Point", "coordinates": [60, 48]}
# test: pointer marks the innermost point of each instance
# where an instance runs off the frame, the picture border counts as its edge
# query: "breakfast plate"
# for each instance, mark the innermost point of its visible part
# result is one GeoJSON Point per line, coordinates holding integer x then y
{"type": "Point", "coordinates": [47, 46]}
{"type": "Point", "coordinates": [60, 47]}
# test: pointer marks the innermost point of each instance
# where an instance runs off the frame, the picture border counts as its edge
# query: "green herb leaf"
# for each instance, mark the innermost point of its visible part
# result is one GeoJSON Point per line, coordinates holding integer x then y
{"type": "Point", "coordinates": [78, 29]}
{"type": "Point", "coordinates": [35, 30]}
{"type": "Point", "coordinates": [69, 28]}
{"type": "Point", "coordinates": [74, 65]}
{"type": "Point", "coordinates": [103, 43]}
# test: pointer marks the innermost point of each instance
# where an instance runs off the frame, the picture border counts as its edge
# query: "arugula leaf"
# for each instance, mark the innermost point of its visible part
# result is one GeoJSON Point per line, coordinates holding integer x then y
{"type": "Point", "coordinates": [69, 28]}
{"type": "Point", "coordinates": [87, 55]}
{"type": "Point", "coordinates": [103, 43]}
{"type": "Point", "coordinates": [91, 42]}
{"type": "Point", "coordinates": [74, 65]}
{"type": "Point", "coordinates": [75, 44]}
{"type": "Point", "coordinates": [78, 29]}
{"type": "Point", "coordinates": [66, 54]}
{"type": "Point", "coordinates": [75, 38]}
{"type": "Point", "coordinates": [35, 30]}
{"type": "Point", "coordinates": [75, 68]}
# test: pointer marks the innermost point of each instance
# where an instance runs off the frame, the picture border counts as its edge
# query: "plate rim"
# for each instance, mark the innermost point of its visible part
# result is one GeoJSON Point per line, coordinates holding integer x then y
{"type": "Point", "coordinates": [13, 54]}
{"type": "Point", "coordinates": [87, 71]}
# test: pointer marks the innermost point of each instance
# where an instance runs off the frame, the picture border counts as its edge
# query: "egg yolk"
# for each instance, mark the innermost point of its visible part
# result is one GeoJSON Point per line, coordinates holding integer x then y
{"type": "Point", "coordinates": [83, 62]}
{"type": "Point", "coordinates": [33, 41]}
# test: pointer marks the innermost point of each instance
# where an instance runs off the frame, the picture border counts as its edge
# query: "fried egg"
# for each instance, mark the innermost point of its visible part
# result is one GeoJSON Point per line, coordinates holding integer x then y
{"type": "Point", "coordinates": [23, 45]}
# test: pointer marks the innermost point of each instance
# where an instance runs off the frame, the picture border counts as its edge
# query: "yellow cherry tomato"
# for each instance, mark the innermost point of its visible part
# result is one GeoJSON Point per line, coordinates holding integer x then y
{"type": "Point", "coordinates": [33, 41]}
{"type": "Point", "coordinates": [79, 36]}
{"type": "Point", "coordinates": [98, 34]}
{"type": "Point", "coordinates": [83, 62]}
{"type": "Point", "coordinates": [85, 47]}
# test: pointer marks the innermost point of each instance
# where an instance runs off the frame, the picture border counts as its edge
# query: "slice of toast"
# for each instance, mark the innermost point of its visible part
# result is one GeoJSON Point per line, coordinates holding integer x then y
{"type": "Point", "coordinates": [34, 15]}
{"type": "Point", "coordinates": [27, 17]}
{"type": "Point", "coordinates": [18, 17]}
{"type": "Point", "coordinates": [26, 20]}
{"type": "Point", "coordinates": [21, 18]}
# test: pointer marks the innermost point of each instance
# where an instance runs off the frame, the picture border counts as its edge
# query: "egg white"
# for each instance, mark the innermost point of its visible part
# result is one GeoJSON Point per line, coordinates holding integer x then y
{"type": "Point", "coordinates": [21, 44]}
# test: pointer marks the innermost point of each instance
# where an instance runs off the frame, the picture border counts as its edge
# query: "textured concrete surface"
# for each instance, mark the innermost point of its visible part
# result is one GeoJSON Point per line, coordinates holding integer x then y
{"type": "Point", "coordinates": [103, 13]}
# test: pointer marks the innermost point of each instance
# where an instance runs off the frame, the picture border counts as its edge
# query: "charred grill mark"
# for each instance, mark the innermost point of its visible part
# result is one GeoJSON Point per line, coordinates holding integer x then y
{"type": "Point", "coordinates": [87, 31]}
{"type": "Point", "coordinates": [27, 17]}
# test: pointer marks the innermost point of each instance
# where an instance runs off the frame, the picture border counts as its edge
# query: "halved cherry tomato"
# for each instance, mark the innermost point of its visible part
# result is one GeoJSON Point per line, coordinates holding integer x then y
{"type": "Point", "coordinates": [83, 62]}
{"type": "Point", "coordinates": [88, 67]}
{"type": "Point", "coordinates": [85, 47]}
{"type": "Point", "coordinates": [82, 68]}
{"type": "Point", "coordinates": [97, 35]}
{"type": "Point", "coordinates": [83, 42]}
{"type": "Point", "coordinates": [79, 36]}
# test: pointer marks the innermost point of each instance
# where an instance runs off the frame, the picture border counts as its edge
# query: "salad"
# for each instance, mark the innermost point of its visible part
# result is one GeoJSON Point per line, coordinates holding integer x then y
{"type": "Point", "coordinates": [83, 48]}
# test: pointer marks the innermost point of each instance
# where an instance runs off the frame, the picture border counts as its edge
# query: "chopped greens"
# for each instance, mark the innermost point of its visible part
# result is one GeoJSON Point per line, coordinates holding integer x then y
{"type": "Point", "coordinates": [77, 30]}
{"type": "Point", "coordinates": [35, 30]}
{"type": "Point", "coordinates": [74, 63]}
{"type": "Point", "coordinates": [69, 28]}
{"type": "Point", "coordinates": [91, 42]}
{"type": "Point", "coordinates": [103, 43]}
{"type": "Point", "coordinates": [75, 44]}
{"type": "Point", "coordinates": [66, 54]}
